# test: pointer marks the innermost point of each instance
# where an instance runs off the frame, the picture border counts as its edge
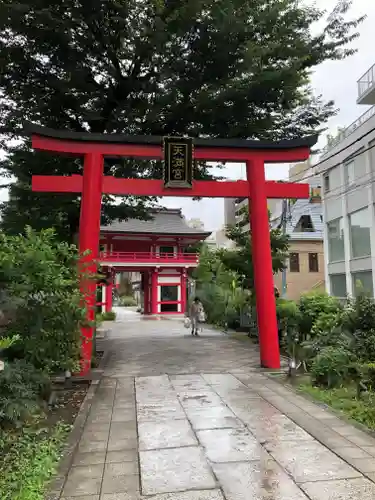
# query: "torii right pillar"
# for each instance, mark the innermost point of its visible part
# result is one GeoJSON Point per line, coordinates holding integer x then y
{"type": "Point", "coordinates": [262, 264]}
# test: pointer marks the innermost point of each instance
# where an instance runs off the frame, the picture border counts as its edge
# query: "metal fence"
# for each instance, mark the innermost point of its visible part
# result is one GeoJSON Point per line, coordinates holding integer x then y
{"type": "Point", "coordinates": [248, 319]}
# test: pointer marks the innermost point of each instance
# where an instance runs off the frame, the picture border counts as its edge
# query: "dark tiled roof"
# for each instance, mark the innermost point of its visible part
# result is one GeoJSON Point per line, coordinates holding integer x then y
{"type": "Point", "coordinates": [165, 221]}
{"type": "Point", "coordinates": [302, 142]}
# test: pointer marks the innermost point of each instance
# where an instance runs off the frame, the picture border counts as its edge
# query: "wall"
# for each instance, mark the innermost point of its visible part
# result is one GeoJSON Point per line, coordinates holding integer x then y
{"type": "Point", "coordinates": [128, 245]}
{"type": "Point", "coordinates": [304, 281]}
{"type": "Point", "coordinates": [350, 166]}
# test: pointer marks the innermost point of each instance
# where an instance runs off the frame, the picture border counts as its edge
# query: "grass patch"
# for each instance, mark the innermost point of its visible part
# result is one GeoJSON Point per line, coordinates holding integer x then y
{"type": "Point", "coordinates": [28, 461]}
{"type": "Point", "coordinates": [345, 401]}
{"type": "Point", "coordinates": [243, 337]}
{"type": "Point", "coordinates": [105, 316]}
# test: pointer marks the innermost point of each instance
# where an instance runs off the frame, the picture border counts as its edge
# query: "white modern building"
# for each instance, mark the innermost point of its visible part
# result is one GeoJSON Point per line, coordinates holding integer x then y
{"type": "Point", "coordinates": [348, 170]}
{"type": "Point", "coordinates": [235, 208]}
{"type": "Point", "coordinates": [218, 240]}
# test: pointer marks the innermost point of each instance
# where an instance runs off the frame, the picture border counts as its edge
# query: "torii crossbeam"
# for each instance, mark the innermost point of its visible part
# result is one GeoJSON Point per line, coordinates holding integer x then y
{"type": "Point", "coordinates": [92, 184]}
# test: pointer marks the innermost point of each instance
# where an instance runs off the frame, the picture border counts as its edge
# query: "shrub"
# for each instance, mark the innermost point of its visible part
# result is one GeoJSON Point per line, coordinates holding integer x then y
{"type": "Point", "coordinates": [22, 387]}
{"type": "Point", "coordinates": [40, 275]}
{"type": "Point", "coordinates": [325, 323]}
{"type": "Point", "coordinates": [311, 307]}
{"type": "Point", "coordinates": [107, 316]}
{"type": "Point", "coordinates": [330, 367]}
{"type": "Point", "coordinates": [127, 301]}
{"type": "Point", "coordinates": [287, 314]}
{"type": "Point", "coordinates": [214, 300]}
{"type": "Point", "coordinates": [222, 305]}
{"type": "Point", "coordinates": [358, 319]}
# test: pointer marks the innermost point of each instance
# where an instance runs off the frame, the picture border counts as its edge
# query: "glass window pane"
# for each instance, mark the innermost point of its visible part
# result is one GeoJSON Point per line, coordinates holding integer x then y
{"type": "Point", "coordinates": [168, 308]}
{"type": "Point", "coordinates": [355, 168]}
{"type": "Point", "coordinates": [371, 148]}
{"type": "Point", "coordinates": [326, 183]}
{"type": "Point", "coordinates": [360, 225]}
{"type": "Point", "coordinates": [338, 285]}
{"type": "Point", "coordinates": [362, 283]}
{"type": "Point", "coordinates": [349, 171]}
{"type": "Point", "coordinates": [294, 263]}
{"type": "Point", "coordinates": [336, 250]}
{"type": "Point", "coordinates": [335, 179]}
{"type": "Point", "coordinates": [313, 263]}
{"type": "Point", "coordinates": [168, 293]}
{"type": "Point", "coordinates": [166, 249]}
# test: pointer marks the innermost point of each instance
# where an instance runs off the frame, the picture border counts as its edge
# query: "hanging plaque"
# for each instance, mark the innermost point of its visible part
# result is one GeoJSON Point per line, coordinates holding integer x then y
{"type": "Point", "coordinates": [178, 162]}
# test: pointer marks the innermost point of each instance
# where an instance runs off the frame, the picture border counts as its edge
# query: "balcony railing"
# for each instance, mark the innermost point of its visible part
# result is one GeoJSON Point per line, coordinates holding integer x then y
{"type": "Point", "coordinates": [366, 82]}
{"type": "Point", "coordinates": [349, 130]}
{"type": "Point", "coordinates": [152, 257]}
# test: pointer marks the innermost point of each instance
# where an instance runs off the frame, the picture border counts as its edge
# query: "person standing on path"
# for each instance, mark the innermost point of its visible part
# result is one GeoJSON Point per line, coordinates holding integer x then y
{"type": "Point", "coordinates": [196, 309]}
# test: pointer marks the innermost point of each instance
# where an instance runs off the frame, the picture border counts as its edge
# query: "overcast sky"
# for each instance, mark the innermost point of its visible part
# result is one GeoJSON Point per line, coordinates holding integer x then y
{"type": "Point", "coordinates": [334, 80]}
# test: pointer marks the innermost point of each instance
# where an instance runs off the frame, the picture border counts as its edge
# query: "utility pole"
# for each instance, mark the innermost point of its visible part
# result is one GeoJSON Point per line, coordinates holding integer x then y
{"type": "Point", "coordinates": [284, 219]}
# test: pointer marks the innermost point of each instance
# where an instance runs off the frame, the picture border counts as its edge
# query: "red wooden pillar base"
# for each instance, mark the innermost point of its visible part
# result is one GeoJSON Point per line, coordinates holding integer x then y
{"type": "Point", "coordinates": [183, 291]}
{"type": "Point", "coordinates": [154, 291]}
{"type": "Point", "coordinates": [262, 263]}
{"type": "Point", "coordinates": [145, 292]}
{"type": "Point", "coordinates": [109, 297]}
{"type": "Point", "coordinates": [89, 234]}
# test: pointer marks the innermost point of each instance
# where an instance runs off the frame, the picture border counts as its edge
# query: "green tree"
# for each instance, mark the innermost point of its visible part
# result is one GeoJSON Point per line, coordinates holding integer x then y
{"type": "Point", "coordinates": [218, 289]}
{"type": "Point", "coordinates": [239, 259]}
{"type": "Point", "coordinates": [211, 269]}
{"type": "Point", "coordinates": [229, 68]}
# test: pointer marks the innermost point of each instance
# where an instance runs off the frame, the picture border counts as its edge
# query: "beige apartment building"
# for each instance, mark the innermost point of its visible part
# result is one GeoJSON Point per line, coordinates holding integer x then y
{"type": "Point", "coordinates": [305, 268]}
{"type": "Point", "coordinates": [305, 271]}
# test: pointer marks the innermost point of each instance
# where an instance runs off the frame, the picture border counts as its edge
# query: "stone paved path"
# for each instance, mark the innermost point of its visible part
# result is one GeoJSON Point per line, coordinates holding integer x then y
{"type": "Point", "coordinates": [183, 418]}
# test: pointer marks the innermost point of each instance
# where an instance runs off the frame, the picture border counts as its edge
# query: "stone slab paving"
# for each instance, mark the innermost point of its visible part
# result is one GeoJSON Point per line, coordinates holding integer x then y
{"type": "Point", "coordinates": [183, 418]}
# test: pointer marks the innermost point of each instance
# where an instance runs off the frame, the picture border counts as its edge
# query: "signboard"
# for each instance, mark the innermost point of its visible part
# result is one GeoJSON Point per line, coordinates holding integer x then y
{"type": "Point", "coordinates": [178, 162]}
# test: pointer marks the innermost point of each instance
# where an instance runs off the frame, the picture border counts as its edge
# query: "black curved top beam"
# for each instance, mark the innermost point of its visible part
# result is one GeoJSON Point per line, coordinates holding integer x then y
{"type": "Point", "coordinates": [148, 140]}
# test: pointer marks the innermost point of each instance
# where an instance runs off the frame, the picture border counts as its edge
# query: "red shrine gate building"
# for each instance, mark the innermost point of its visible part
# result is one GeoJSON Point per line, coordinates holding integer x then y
{"type": "Point", "coordinates": [157, 249]}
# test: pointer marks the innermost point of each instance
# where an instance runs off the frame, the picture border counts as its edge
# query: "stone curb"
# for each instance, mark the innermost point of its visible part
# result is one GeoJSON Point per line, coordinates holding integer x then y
{"type": "Point", "coordinates": [316, 435]}
{"type": "Point", "coordinates": [321, 404]}
{"type": "Point", "coordinates": [56, 486]}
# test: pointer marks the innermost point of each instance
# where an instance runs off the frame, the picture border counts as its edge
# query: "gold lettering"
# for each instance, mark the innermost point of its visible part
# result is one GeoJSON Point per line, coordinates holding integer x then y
{"type": "Point", "coordinates": [178, 150]}
{"type": "Point", "coordinates": [178, 175]}
{"type": "Point", "coordinates": [178, 163]}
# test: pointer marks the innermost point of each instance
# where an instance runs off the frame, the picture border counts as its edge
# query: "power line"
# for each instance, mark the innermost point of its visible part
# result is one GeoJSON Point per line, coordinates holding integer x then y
{"type": "Point", "coordinates": [337, 153]}
{"type": "Point", "coordinates": [352, 157]}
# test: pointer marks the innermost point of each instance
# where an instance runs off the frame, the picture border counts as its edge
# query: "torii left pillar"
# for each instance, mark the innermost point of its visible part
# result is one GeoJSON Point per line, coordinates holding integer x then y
{"type": "Point", "coordinates": [89, 234]}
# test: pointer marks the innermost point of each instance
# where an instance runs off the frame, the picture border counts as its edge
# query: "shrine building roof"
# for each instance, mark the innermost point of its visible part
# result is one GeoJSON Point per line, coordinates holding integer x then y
{"type": "Point", "coordinates": [164, 221]}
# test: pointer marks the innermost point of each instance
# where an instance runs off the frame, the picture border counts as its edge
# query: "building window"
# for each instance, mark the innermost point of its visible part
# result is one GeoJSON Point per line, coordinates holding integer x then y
{"type": "Point", "coordinates": [166, 249]}
{"type": "Point", "coordinates": [355, 169]}
{"type": "Point", "coordinates": [338, 285]}
{"type": "Point", "coordinates": [169, 298]}
{"type": "Point", "coordinates": [362, 283]}
{"type": "Point", "coordinates": [371, 148]}
{"type": "Point", "coordinates": [304, 225]}
{"type": "Point", "coordinates": [336, 249]}
{"type": "Point", "coordinates": [360, 228]}
{"type": "Point", "coordinates": [294, 262]}
{"type": "Point", "coordinates": [332, 180]}
{"type": "Point", "coordinates": [349, 172]}
{"type": "Point", "coordinates": [313, 263]}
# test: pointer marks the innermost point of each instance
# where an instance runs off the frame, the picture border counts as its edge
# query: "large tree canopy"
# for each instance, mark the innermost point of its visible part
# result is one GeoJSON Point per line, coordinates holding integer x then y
{"type": "Point", "coordinates": [229, 68]}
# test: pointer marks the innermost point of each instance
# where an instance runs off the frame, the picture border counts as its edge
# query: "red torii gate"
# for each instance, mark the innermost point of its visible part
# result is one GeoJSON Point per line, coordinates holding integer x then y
{"type": "Point", "coordinates": [94, 147]}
